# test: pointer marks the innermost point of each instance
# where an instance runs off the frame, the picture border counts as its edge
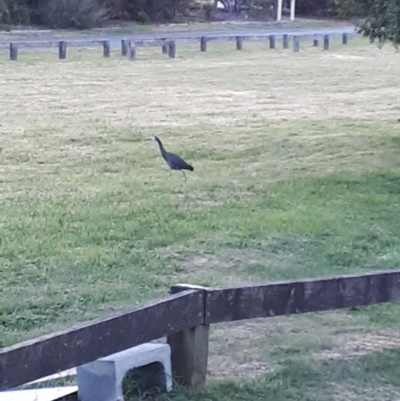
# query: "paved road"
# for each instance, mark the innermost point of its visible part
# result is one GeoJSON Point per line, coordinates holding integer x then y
{"type": "Point", "coordinates": [116, 39]}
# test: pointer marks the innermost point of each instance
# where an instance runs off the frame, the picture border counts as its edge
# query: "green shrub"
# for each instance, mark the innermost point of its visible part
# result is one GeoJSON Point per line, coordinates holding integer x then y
{"type": "Point", "coordinates": [382, 21]}
{"type": "Point", "coordinates": [78, 14]}
{"type": "Point", "coordinates": [148, 10]}
{"type": "Point", "coordinates": [350, 8]}
{"type": "Point", "coordinates": [13, 12]}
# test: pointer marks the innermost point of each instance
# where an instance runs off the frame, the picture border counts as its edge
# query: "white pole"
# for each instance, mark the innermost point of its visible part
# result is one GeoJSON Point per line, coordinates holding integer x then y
{"type": "Point", "coordinates": [292, 9]}
{"type": "Point", "coordinates": [279, 10]}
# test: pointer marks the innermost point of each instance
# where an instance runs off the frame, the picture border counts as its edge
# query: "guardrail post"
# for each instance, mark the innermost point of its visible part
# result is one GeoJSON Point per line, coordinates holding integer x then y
{"type": "Point", "coordinates": [13, 52]}
{"type": "Point", "coordinates": [62, 50]}
{"type": "Point", "coordinates": [132, 50]}
{"type": "Point", "coordinates": [296, 44]}
{"type": "Point", "coordinates": [189, 348]}
{"type": "Point", "coordinates": [203, 44]}
{"type": "Point", "coordinates": [239, 43]}
{"type": "Point", "coordinates": [285, 41]}
{"type": "Point", "coordinates": [124, 47]}
{"type": "Point", "coordinates": [106, 48]}
{"type": "Point", "coordinates": [326, 42]}
{"type": "Point", "coordinates": [272, 42]}
{"type": "Point", "coordinates": [171, 49]}
{"type": "Point", "coordinates": [345, 38]}
{"type": "Point", "coordinates": [315, 42]}
{"type": "Point", "coordinates": [164, 48]}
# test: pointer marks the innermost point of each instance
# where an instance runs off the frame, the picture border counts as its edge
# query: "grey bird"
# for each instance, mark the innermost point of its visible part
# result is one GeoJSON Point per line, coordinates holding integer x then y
{"type": "Point", "coordinates": [174, 161]}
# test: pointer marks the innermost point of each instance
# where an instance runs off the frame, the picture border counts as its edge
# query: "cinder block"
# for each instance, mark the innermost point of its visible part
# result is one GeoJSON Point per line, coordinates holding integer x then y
{"type": "Point", "coordinates": [149, 364]}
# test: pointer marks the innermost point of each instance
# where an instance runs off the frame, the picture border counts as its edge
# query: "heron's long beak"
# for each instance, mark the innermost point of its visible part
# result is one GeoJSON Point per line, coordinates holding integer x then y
{"type": "Point", "coordinates": [149, 139]}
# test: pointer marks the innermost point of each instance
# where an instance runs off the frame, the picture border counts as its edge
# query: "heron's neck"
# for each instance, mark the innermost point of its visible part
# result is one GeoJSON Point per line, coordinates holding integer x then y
{"type": "Point", "coordinates": [161, 146]}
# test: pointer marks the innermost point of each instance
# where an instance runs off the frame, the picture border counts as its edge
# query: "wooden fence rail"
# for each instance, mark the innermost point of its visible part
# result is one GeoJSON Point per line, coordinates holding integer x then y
{"type": "Point", "coordinates": [185, 316]}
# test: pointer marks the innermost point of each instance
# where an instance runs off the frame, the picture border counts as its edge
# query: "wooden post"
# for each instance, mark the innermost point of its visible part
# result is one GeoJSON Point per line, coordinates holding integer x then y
{"type": "Point", "coordinates": [132, 50]}
{"type": "Point", "coordinates": [315, 42]}
{"type": "Point", "coordinates": [326, 42]}
{"type": "Point", "coordinates": [13, 52]}
{"type": "Point", "coordinates": [62, 50]}
{"type": "Point", "coordinates": [239, 43]}
{"type": "Point", "coordinates": [203, 44]}
{"type": "Point", "coordinates": [345, 38]}
{"type": "Point", "coordinates": [171, 49]}
{"type": "Point", "coordinates": [285, 42]}
{"type": "Point", "coordinates": [164, 48]}
{"type": "Point", "coordinates": [272, 42]}
{"type": "Point", "coordinates": [106, 48]}
{"type": "Point", "coordinates": [296, 44]}
{"type": "Point", "coordinates": [189, 349]}
{"type": "Point", "coordinates": [124, 47]}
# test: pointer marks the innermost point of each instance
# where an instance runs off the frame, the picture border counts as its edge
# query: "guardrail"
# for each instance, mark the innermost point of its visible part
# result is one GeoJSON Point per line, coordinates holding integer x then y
{"type": "Point", "coordinates": [168, 44]}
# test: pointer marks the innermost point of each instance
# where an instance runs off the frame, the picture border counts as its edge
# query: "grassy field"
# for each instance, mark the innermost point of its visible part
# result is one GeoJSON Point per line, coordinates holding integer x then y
{"type": "Point", "coordinates": [296, 175]}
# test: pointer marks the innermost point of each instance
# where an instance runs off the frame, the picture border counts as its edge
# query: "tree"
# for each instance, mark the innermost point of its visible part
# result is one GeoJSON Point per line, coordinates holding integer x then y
{"type": "Point", "coordinates": [382, 21]}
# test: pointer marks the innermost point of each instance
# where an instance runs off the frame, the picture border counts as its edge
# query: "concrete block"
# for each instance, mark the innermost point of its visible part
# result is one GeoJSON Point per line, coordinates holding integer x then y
{"type": "Point", "coordinates": [148, 365]}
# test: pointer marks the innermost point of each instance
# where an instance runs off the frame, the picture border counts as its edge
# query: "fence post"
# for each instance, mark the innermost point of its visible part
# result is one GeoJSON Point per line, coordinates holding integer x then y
{"type": "Point", "coordinates": [285, 41]}
{"type": "Point", "coordinates": [326, 42]}
{"type": "Point", "coordinates": [106, 48]}
{"type": "Point", "coordinates": [239, 43]}
{"type": "Point", "coordinates": [189, 348]}
{"type": "Point", "coordinates": [13, 52]}
{"type": "Point", "coordinates": [203, 44]}
{"type": "Point", "coordinates": [315, 42]}
{"type": "Point", "coordinates": [132, 50]}
{"type": "Point", "coordinates": [345, 38]}
{"type": "Point", "coordinates": [171, 49]}
{"type": "Point", "coordinates": [164, 48]}
{"type": "Point", "coordinates": [272, 42]}
{"type": "Point", "coordinates": [124, 47]}
{"type": "Point", "coordinates": [62, 50]}
{"type": "Point", "coordinates": [296, 44]}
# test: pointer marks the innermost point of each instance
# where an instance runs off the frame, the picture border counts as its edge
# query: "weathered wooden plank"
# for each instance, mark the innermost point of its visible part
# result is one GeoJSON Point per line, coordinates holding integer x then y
{"type": "Point", "coordinates": [67, 393]}
{"type": "Point", "coordinates": [189, 349]}
{"type": "Point", "coordinates": [89, 341]}
{"type": "Point", "coordinates": [302, 296]}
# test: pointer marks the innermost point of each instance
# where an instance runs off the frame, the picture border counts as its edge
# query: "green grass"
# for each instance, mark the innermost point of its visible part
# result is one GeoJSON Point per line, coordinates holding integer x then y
{"type": "Point", "coordinates": [370, 377]}
{"type": "Point", "coordinates": [296, 175]}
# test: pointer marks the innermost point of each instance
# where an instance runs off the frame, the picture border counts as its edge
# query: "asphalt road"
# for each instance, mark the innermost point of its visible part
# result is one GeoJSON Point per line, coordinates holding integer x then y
{"type": "Point", "coordinates": [182, 35]}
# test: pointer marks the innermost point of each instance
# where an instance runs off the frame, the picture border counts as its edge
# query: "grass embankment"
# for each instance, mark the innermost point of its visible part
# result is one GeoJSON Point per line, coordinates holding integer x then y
{"type": "Point", "coordinates": [296, 175]}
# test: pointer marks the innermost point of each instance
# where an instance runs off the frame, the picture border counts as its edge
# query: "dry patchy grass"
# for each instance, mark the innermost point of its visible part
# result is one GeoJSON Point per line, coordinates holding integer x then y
{"type": "Point", "coordinates": [296, 174]}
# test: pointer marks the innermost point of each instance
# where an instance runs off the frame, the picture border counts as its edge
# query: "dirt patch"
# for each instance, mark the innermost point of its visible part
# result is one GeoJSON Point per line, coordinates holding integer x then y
{"type": "Point", "coordinates": [253, 348]}
{"type": "Point", "coordinates": [350, 345]}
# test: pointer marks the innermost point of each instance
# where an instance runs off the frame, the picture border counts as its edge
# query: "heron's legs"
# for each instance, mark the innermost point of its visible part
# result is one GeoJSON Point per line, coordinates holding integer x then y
{"type": "Point", "coordinates": [183, 174]}
{"type": "Point", "coordinates": [169, 175]}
